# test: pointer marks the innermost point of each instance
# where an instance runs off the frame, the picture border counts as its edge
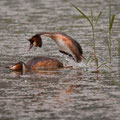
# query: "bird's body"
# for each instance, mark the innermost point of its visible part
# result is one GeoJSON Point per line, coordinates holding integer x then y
{"type": "Point", "coordinates": [44, 62]}
{"type": "Point", "coordinates": [66, 44]}
{"type": "Point", "coordinates": [37, 63]}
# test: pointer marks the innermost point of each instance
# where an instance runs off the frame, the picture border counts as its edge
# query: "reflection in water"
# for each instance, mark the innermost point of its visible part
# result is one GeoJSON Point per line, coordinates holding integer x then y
{"type": "Point", "coordinates": [40, 95]}
{"type": "Point", "coordinates": [67, 87]}
{"type": "Point", "coordinates": [36, 72]}
{"type": "Point", "coordinates": [41, 72]}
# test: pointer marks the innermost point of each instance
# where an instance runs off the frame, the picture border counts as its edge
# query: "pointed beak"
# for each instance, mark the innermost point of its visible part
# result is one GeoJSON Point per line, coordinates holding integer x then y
{"type": "Point", "coordinates": [7, 67]}
{"type": "Point", "coordinates": [31, 45]}
{"type": "Point", "coordinates": [10, 67]}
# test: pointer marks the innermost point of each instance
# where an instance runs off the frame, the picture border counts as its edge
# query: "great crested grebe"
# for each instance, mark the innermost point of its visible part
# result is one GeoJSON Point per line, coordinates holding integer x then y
{"type": "Point", "coordinates": [67, 45]}
{"type": "Point", "coordinates": [37, 63]}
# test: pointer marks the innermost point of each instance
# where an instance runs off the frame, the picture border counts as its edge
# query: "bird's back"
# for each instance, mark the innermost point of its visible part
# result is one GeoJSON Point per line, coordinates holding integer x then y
{"type": "Point", "coordinates": [68, 44]}
{"type": "Point", "coordinates": [44, 62]}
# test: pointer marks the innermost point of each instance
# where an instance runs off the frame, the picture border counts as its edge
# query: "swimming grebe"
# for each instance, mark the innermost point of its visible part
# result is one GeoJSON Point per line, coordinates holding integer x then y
{"type": "Point", "coordinates": [37, 63]}
{"type": "Point", "coordinates": [67, 45]}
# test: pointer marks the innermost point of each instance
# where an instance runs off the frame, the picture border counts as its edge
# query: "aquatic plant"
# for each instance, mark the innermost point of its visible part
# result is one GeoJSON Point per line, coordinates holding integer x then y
{"type": "Point", "coordinates": [111, 21]}
{"type": "Point", "coordinates": [93, 25]}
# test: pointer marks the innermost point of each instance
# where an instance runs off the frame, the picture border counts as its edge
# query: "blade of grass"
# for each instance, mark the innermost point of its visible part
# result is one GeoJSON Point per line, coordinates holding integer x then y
{"type": "Point", "coordinates": [85, 16]}
{"type": "Point", "coordinates": [108, 66]}
{"type": "Point", "coordinates": [98, 17]}
{"type": "Point", "coordinates": [88, 59]}
{"type": "Point", "coordinates": [96, 60]}
{"type": "Point", "coordinates": [104, 63]}
{"type": "Point", "coordinates": [111, 23]}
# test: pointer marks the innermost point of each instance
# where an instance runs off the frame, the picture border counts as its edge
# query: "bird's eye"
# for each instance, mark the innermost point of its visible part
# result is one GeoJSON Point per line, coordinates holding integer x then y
{"type": "Point", "coordinates": [31, 41]}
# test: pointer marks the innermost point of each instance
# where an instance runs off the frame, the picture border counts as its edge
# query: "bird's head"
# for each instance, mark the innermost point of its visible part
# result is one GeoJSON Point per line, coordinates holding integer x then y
{"type": "Point", "coordinates": [35, 41]}
{"type": "Point", "coordinates": [17, 67]}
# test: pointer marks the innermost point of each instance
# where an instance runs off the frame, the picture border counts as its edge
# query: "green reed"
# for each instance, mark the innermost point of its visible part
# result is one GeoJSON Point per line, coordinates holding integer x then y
{"type": "Point", "coordinates": [93, 25]}
{"type": "Point", "coordinates": [111, 21]}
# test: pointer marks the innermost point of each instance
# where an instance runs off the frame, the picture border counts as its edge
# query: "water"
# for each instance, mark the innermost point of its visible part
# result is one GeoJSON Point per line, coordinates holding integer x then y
{"type": "Point", "coordinates": [73, 94]}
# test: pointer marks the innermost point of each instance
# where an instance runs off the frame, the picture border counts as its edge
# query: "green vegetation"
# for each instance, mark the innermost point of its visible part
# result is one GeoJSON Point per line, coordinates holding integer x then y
{"type": "Point", "coordinates": [111, 20]}
{"type": "Point", "coordinates": [93, 32]}
{"type": "Point", "coordinates": [93, 24]}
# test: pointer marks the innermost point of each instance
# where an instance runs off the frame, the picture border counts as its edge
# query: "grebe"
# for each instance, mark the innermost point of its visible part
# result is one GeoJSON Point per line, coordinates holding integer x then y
{"type": "Point", "coordinates": [67, 45]}
{"type": "Point", "coordinates": [37, 63]}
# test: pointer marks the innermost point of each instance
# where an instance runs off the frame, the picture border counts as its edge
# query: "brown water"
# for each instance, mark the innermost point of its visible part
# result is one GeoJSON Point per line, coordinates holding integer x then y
{"type": "Point", "coordinates": [76, 94]}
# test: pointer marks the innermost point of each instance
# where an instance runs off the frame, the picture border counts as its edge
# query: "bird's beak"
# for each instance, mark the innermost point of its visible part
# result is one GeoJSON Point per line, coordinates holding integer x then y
{"type": "Point", "coordinates": [10, 67]}
{"type": "Point", "coordinates": [31, 45]}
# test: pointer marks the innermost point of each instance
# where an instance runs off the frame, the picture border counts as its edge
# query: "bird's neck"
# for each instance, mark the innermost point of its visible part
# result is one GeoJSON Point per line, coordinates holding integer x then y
{"type": "Point", "coordinates": [25, 67]}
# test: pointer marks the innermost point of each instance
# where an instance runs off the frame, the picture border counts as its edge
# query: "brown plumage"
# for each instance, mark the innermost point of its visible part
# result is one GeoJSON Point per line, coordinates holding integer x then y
{"type": "Point", "coordinates": [37, 63]}
{"type": "Point", "coordinates": [44, 62]}
{"type": "Point", "coordinates": [67, 45]}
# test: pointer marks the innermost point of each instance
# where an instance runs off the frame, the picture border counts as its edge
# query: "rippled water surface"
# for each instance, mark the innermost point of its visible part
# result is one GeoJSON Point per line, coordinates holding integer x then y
{"type": "Point", "coordinates": [71, 94]}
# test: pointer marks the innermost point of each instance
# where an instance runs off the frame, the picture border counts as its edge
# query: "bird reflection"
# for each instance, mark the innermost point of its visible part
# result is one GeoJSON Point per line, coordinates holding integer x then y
{"type": "Point", "coordinates": [42, 72]}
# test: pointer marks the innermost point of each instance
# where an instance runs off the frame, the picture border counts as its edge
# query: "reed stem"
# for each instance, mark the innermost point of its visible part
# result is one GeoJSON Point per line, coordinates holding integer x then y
{"type": "Point", "coordinates": [93, 30]}
{"type": "Point", "coordinates": [93, 33]}
{"type": "Point", "coordinates": [109, 45]}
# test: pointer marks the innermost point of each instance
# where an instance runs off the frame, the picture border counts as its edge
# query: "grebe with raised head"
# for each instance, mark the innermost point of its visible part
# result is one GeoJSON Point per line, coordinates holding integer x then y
{"type": "Point", "coordinates": [37, 63]}
{"type": "Point", "coordinates": [67, 45]}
